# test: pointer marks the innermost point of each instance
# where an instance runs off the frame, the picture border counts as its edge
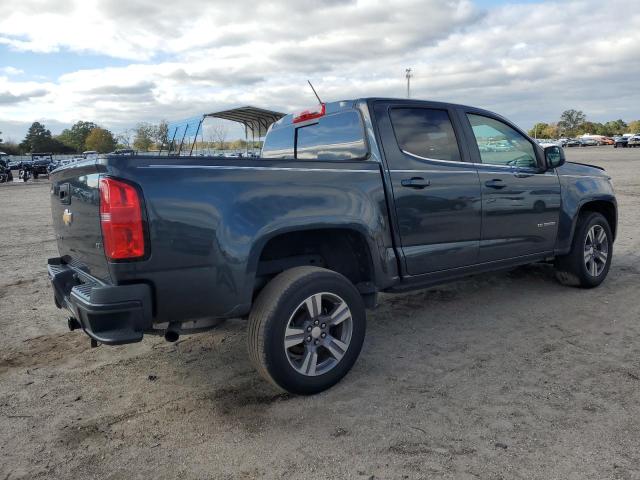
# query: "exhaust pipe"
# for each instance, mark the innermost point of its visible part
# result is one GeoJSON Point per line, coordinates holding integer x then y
{"type": "Point", "coordinates": [173, 332]}
{"type": "Point", "coordinates": [73, 323]}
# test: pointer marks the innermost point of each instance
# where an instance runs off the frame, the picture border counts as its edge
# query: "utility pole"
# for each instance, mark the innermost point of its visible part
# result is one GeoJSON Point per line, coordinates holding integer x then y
{"type": "Point", "coordinates": [408, 74]}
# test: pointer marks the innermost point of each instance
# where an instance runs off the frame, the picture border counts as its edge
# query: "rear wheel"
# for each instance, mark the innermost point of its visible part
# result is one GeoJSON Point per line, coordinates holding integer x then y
{"type": "Point", "coordinates": [306, 329]}
{"type": "Point", "coordinates": [588, 262]}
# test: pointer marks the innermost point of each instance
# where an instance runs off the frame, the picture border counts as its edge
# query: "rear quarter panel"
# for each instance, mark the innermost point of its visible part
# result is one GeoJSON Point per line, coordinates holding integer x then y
{"type": "Point", "coordinates": [209, 219]}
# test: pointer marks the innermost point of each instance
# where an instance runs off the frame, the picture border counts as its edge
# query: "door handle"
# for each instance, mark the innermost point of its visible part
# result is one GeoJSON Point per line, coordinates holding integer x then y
{"type": "Point", "coordinates": [415, 182]}
{"type": "Point", "coordinates": [495, 183]}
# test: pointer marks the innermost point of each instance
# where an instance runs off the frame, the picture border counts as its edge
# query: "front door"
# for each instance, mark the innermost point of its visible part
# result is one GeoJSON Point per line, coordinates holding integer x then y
{"type": "Point", "coordinates": [436, 192]}
{"type": "Point", "coordinates": [520, 201]}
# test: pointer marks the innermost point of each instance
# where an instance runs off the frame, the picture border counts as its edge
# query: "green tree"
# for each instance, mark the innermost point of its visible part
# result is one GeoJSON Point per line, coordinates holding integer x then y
{"type": "Point", "coordinates": [76, 136]}
{"type": "Point", "coordinates": [571, 120]}
{"type": "Point", "coordinates": [38, 139]}
{"type": "Point", "coordinates": [592, 128]}
{"type": "Point", "coordinates": [634, 127]}
{"type": "Point", "coordinates": [161, 134]}
{"type": "Point", "coordinates": [144, 136]}
{"type": "Point", "coordinates": [615, 127]}
{"type": "Point", "coordinates": [100, 140]}
{"type": "Point", "coordinates": [544, 130]}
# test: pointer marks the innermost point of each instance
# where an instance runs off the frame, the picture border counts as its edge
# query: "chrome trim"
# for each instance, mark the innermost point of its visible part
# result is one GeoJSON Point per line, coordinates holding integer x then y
{"type": "Point", "coordinates": [512, 169]}
{"type": "Point", "coordinates": [439, 161]}
{"type": "Point", "coordinates": [584, 176]}
{"type": "Point", "coordinates": [434, 171]}
{"type": "Point", "coordinates": [238, 167]}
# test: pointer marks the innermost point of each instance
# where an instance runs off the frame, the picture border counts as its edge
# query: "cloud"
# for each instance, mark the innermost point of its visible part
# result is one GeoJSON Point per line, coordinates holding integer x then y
{"type": "Point", "coordinates": [11, 71]}
{"type": "Point", "coordinates": [7, 98]}
{"type": "Point", "coordinates": [526, 61]}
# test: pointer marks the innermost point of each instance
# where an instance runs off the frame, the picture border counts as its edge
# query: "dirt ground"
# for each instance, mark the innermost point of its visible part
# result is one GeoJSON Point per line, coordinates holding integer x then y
{"type": "Point", "coordinates": [502, 376]}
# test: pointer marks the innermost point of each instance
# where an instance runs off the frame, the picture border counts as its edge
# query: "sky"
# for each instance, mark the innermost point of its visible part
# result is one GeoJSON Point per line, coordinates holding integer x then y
{"type": "Point", "coordinates": [119, 63]}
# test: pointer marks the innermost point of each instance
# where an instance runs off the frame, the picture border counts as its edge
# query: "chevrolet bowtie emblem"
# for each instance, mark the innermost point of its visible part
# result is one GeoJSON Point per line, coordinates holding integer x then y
{"type": "Point", "coordinates": [67, 217]}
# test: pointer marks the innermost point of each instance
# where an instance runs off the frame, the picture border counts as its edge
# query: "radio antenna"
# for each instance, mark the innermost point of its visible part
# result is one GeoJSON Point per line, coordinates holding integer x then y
{"type": "Point", "coordinates": [314, 92]}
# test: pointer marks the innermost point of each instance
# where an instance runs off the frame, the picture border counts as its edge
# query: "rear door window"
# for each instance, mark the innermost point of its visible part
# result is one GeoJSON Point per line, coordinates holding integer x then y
{"type": "Point", "coordinates": [426, 133]}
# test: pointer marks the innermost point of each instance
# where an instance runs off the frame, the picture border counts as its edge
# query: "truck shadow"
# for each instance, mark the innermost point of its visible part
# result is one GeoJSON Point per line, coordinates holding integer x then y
{"type": "Point", "coordinates": [243, 398]}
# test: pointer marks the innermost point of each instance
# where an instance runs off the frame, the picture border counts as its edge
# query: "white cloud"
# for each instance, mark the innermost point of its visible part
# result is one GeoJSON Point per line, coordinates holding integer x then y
{"type": "Point", "coordinates": [11, 70]}
{"type": "Point", "coordinates": [528, 61]}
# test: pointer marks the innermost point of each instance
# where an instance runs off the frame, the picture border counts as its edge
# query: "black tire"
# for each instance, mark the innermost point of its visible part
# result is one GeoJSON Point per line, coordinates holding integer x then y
{"type": "Point", "coordinates": [270, 316]}
{"type": "Point", "coordinates": [571, 269]}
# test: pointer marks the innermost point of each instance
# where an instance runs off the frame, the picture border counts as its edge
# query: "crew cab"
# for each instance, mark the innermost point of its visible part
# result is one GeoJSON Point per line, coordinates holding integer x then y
{"type": "Point", "coordinates": [347, 200]}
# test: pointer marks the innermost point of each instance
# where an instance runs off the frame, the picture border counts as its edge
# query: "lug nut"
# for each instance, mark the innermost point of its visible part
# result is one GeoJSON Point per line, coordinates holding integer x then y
{"type": "Point", "coordinates": [308, 328]}
{"type": "Point", "coordinates": [323, 334]}
{"type": "Point", "coordinates": [316, 322]}
{"type": "Point", "coordinates": [309, 338]}
{"type": "Point", "coordinates": [316, 342]}
{"type": "Point", "coordinates": [324, 325]}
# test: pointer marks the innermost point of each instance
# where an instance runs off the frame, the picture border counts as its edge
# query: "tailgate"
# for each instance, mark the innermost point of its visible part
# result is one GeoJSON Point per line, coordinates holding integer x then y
{"type": "Point", "coordinates": [75, 207]}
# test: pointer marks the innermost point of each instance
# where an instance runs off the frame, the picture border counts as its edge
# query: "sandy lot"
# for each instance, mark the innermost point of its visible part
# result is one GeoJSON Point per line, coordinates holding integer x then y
{"type": "Point", "coordinates": [503, 376]}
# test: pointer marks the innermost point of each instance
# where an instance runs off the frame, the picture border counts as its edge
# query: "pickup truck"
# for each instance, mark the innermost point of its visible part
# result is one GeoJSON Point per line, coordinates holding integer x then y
{"type": "Point", "coordinates": [347, 200]}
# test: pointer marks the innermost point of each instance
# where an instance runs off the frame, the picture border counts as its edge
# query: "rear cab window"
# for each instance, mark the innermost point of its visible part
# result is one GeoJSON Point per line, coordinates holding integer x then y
{"type": "Point", "coordinates": [336, 136]}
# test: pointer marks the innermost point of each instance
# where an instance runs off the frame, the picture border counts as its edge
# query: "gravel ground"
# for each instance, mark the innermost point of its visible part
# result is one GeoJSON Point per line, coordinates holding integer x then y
{"type": "Point", "coordinates": [508, 375]}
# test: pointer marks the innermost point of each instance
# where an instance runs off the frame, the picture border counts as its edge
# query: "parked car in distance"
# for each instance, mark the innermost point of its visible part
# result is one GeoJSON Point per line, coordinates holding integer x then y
{"type": "Point", "coordinates": [606, 141]}
{"type": "Point", "coordinates": [547, 142]}
{"type": "Point", "coordinates": [573, 142]}
{"type": "Point", "coordinates": [5, 172]}
{"type": "Point", "coordinates": [123, 151]}
{"type": "Point", "coordinates": [634, 141]}
{"type": "Point", "coordinates": [90, 154]}
{"type": "Point", "coordinates": [588, 142]}
{"type": "Point", "coordinates": [40, 163]}
{"type": "Point", "coordinates": [620, 142]}
{"type": "Point", "coordinates": [351, 199]}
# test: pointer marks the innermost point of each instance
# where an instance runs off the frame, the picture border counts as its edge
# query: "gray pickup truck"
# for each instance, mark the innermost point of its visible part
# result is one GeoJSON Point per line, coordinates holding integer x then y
{"type": "Point", "coordinates": [354, 198]}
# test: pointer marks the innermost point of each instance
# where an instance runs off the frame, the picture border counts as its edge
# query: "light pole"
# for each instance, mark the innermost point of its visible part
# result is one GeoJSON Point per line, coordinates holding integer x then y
{"type": "Point", "coordinates": [408, 74]}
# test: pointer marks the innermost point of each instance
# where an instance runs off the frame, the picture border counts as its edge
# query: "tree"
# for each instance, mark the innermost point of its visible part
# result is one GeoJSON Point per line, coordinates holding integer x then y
{"type": "Point", "coordinates": [161, 134]}
{"type": "Point", "coordinates": [570, 121]}
{"type": "Point", "coordinates": [124, 138]}
{"type": "Point", "coordinates": [616, 127]}
{"type": "Point", "coordinates": [544, 130]}
{"type": "Point", "coordinates": [76, 136]}
{"type": "Point", "coordinates": [38, 139]}
{"type": "Point", "coordinates": [144, 135]}
{"type": "Point", "coordinates": [591, 128]}
{"type": "Point", "coordinates": [218, 133]}
{"type": "Point", "coordinates": [634, 127]}
{"type": "Point", "coordinates": [100, 140]}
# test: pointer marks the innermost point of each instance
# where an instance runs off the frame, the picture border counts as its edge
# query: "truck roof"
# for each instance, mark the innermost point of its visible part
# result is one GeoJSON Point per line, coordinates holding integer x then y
{"type": "Point", "coordinates": [339, 105]}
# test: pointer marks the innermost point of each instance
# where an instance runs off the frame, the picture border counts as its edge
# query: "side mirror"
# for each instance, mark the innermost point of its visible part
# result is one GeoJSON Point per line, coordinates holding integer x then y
{"type": "Point", "coordinates": [554, 156]}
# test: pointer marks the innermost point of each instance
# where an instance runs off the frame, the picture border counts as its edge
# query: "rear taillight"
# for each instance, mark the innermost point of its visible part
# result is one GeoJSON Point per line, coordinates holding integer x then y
{"type": "Point", "coordinates": [121, 220]}
{"type": "Point", "coordinates": [310, 114]}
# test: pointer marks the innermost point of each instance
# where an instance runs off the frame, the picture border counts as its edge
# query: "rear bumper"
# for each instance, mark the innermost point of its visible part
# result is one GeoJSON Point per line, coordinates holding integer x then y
{"type": "Point", "coordinates": [110, 314]}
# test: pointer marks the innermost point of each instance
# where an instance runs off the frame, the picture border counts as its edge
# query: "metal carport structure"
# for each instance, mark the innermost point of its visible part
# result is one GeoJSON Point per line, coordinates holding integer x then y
{"type": "Point", "coordinates": [255, 120]}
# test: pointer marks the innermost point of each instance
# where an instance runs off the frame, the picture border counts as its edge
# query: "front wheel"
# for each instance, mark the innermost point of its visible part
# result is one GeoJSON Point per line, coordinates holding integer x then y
{"type": "Point", "coordinates": [306, 329]}
{"type": "Point", "coordinates": [588, 262]}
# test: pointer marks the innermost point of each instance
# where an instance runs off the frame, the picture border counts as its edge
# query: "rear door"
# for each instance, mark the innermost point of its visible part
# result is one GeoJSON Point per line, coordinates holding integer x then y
{"type": "Point", "coordinates": [520, 201]}
{"type": "Point", "coordinates": [436, 190]}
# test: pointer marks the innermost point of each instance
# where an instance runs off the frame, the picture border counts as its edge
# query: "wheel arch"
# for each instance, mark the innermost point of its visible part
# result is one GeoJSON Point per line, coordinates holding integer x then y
{"type": "Point", "coordinates": [346, 249]}
{"type": "Point", "coordinates": [607, 207]}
